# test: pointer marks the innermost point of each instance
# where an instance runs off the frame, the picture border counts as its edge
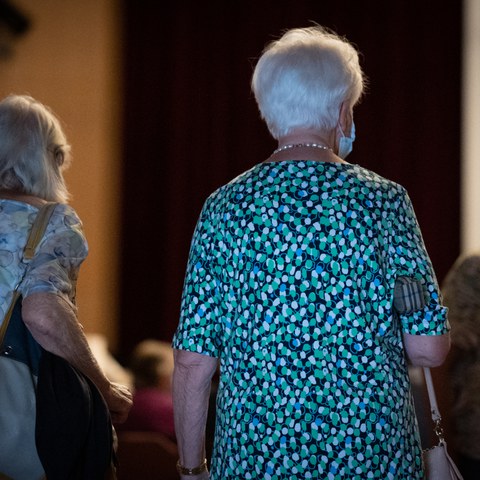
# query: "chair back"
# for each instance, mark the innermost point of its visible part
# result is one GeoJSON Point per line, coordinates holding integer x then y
{"type": "Point", "coordinates": [146, 456]}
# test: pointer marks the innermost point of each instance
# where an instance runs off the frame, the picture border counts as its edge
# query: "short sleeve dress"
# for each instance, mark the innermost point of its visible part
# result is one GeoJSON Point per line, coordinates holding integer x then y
{"type": "Point", "coordinates": [290, 283]}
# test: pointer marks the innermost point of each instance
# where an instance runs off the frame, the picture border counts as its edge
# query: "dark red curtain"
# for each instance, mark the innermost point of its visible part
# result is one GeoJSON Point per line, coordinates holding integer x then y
{"type": "Point", "coordinates": [191, 124]}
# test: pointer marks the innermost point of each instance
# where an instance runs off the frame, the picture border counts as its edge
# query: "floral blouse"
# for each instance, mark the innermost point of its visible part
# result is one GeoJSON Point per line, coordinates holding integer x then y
{"type": "Point", "coordinates": [55, 267]}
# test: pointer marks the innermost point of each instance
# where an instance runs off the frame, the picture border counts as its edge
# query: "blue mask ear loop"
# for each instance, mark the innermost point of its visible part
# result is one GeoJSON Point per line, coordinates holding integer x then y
{"type": "Point", "coordinates": [345, 144]}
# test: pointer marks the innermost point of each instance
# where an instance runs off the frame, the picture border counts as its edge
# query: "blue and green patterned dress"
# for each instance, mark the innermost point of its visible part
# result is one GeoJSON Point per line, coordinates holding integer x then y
{"type": "Point", "coordinates": [290, 284]}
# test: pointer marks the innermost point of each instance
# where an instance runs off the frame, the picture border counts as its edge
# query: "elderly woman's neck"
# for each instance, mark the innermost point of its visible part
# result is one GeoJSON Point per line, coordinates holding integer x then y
{"type": "Point", "coordinates": [21, 197]}
{"type": "Point", "coordinates": [307, 145]}
{"type": "Point", "coordinates": [307, 136]}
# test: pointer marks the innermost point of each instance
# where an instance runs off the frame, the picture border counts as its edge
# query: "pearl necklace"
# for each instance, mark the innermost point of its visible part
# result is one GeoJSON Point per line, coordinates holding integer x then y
{"type": "Point", "coordinates": [297, 145]}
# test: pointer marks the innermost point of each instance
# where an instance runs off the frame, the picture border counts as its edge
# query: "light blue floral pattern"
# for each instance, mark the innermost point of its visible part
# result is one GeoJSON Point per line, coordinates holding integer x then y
{"type": "Point", "coordinates": [290, 284]}
{"type": "Point", "coordinates": [56, 264]}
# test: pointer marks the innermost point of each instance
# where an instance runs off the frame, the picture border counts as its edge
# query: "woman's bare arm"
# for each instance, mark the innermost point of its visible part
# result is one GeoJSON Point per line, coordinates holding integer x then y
{"type": "Point", "coordinates": [426, 350]}
{"type": "Point", "coordinates": [191, 391]}
{"type": "Point", "coordinates": [52, 321]}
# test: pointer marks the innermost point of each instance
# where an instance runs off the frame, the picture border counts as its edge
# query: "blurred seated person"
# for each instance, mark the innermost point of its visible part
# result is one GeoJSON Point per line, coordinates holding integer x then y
{"type": "Point", "coordinates": [151, 365]}
{"type": "Point", "coordinates": [461, 292]}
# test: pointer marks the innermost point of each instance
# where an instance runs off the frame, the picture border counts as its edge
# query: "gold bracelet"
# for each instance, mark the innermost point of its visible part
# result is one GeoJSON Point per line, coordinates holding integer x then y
{"type": "Point", "coordinates": [191, 471]}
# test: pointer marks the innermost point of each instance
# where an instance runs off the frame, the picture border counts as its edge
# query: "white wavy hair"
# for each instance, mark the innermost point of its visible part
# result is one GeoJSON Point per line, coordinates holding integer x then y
{"type": "Point", "coordinates": [302, 78]}
{"type": "Point", "coordinates": [33, 149]}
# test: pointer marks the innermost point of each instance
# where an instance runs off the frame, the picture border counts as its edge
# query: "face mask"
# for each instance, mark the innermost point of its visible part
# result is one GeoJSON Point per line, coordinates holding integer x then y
{"type": "Point", "coordinates": [345, 144]}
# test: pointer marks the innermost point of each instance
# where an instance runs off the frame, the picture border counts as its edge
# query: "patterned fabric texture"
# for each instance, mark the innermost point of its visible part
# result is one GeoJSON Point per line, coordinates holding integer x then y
{"type": "Point", "coordinates": [56, 264]}
{"type": "Point", "coordinates": [290, 283]}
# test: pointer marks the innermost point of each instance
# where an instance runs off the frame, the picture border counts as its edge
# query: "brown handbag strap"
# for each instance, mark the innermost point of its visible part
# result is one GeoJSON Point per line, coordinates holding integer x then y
{"type": "Point", "coordinates": [38, 229]}
{"type": "Point", "coordinates": [36, 234]}
{"type": "Point", "coordinates": [8, 314]}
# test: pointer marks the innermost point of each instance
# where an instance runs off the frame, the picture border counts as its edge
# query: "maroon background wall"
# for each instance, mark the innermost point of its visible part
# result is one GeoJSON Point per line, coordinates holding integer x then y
{"type": "Point", "coordinates": [191, 124]}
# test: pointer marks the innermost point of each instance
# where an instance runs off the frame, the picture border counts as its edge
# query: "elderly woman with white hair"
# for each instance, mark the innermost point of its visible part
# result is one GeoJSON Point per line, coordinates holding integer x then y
{"type": "Point", "coordinates": [34, 153]}
{"type": "Point", "coordinates": [289, 288]}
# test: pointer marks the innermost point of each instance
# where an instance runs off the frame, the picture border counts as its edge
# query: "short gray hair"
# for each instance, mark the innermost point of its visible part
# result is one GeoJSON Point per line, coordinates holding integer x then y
{"type": "Point", "coordinates": [302, 78]}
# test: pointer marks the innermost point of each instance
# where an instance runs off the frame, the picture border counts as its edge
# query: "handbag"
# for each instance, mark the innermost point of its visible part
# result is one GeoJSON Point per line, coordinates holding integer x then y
{"type": "Point", "coordinates": [57, 421]}
{"type": "Point", "coordinates": [438, 463]}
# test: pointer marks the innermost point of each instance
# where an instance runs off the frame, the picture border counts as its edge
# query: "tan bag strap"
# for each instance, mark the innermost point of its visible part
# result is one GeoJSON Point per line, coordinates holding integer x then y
{"type": "Point", "coordinates": [36, 234]}
{"type": "Point", "coordinates": [38, 229]}
{"type": "Point", "coordinates": [6, 320]}
{"type": "Point", "coordinates": [434, 411]}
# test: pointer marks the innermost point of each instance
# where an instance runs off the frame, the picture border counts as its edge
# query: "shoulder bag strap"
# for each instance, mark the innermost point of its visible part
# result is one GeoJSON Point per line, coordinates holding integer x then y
{"type": "Point", "coordinates": [38, 229]}
{"type": "Point", "coordinates": [436, 417]}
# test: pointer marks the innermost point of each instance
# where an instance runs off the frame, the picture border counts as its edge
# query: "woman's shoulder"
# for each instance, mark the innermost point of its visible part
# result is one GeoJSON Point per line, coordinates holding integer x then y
{"type": "Point", "coordinates": [65, 230]}
{"type": "Point", "coordinates": [25, 212]}
{"type": "Point", "coordinates": [65, 215]}
{"type": "Point", "coordinates": [374, 179]}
